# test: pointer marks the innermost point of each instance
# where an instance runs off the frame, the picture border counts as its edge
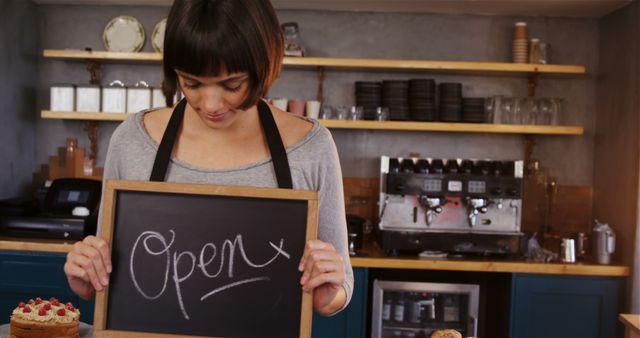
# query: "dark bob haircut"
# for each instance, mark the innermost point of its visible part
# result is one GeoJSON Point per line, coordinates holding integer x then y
{"type": "Point", "coordinates": [208, 37]}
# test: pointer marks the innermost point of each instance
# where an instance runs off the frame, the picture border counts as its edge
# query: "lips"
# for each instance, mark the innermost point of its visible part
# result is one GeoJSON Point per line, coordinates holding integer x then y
{"type": "Point", "coordinates": [216, 117]}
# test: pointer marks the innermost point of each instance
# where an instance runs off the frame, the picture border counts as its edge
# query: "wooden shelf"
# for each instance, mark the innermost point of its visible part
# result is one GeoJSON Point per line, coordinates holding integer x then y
{"type": "Point", "coordinates": [455, 127]}
{"type": "Point", "coordinates": [373, 125]}
{"type": "Point", "coordinates": [377, 259]}
{"type": "Point", "coordinates": [349, 63]}
{"type": "Point", "coordinates": [82, 116]}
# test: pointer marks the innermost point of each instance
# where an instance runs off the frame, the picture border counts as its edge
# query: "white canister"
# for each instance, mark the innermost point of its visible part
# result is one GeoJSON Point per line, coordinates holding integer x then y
{"type": "Point", "coordinates": [158, 100]}
{"type": "Point", "coordinates": [88, 98]}
{"type": "Point", "coordinates": [138, 97]}
{"type": "Point", "coordinates": [62, 98]}
{"type": "Point", "coordinates": [114, 98]}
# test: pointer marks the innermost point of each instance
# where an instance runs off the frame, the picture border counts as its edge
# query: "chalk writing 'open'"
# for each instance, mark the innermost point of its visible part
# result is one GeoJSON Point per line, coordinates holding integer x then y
{"type": "Point", "coordinates": [207, 254]}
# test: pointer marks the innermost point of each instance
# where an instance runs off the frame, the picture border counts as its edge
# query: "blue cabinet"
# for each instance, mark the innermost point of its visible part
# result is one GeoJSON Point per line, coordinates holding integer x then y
{"type": "Point", "coordinates": [27, 275]}
{"type": "Point", "coordinates": [564, 306]}
{"type": "Point", "coordinates": [352, 320]}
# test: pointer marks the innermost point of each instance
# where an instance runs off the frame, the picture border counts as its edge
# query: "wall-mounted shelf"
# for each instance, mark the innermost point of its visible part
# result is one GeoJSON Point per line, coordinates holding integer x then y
{"type": "Point", "coordinates": [374, 125]}
{"type": "Point", "coordinates": [348, 63]}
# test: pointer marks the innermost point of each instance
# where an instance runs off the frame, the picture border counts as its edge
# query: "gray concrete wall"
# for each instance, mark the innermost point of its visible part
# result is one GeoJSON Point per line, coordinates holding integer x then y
{"type": "Point", "coordinates": [372, 35]}
{"type": "Point", "coordinates": [18, 82]}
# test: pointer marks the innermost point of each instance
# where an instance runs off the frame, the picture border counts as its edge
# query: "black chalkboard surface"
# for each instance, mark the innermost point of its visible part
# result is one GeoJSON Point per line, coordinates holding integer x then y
{"type": "Point", "coordinates": [202, 260]}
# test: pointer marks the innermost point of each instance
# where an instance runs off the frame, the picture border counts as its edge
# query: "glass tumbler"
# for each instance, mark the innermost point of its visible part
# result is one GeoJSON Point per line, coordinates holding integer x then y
{"type": "Point", "coordinates": [326, 112]}
{"type": "Point", "coordinates": [507, 107]}
{"type": "Point", "coordinates": [356, 113]}
{"type": "Point", "coordinates": [341, 113]}
{"type": "Point", "coordinates": [382, 113]}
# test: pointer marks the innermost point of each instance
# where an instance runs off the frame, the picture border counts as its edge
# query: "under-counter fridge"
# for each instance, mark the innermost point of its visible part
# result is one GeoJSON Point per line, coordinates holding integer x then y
{"type": "Point", "coordinates": [415, 309]}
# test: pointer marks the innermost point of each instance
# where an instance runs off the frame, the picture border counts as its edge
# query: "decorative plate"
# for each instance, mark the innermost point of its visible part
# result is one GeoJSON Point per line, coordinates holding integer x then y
{"type": "Point", "coordinates": [123, 34]}
{"type": "Point", "coordinates": [157, 38]}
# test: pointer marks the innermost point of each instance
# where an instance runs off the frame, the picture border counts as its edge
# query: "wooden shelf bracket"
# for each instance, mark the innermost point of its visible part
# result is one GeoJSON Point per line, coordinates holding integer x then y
{"type": "Point", "coordinates": [91, 127]}
{"type": "Point", "coordinates": [533, 84]}
{"type": "Point", "coordinates": [320, 95]}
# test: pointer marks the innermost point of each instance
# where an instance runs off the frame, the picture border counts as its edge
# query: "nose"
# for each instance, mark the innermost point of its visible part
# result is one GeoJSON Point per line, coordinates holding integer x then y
{"type": "Point", "coordinates": [212, 101]}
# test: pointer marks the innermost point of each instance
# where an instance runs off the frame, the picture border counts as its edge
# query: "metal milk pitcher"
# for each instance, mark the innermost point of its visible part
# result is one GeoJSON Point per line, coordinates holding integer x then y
{"type": "Point", "coordinates": [604, 243]}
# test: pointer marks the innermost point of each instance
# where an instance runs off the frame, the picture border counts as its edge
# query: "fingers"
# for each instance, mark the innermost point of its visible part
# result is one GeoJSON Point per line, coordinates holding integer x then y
{"type": "Point", "coordinates": [90, 261]}
{"type": "Point", "coordinates": [320, 264]}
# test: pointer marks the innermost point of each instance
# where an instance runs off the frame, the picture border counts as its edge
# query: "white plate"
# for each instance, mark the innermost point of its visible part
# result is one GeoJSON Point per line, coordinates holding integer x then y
{"type": "Point", "coordinates": [157, 38]}
{"type": "Point", "coordinates": [123, 34]}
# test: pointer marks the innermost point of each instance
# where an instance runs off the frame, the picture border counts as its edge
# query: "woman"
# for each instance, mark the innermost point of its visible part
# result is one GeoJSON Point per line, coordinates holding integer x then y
{"type": "Point", "coordinates": [224, 55]}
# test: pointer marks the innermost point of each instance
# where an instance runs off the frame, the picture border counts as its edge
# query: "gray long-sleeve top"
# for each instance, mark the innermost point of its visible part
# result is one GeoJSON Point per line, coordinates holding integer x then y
{"type": "Point", "coordinates": [313, 161]}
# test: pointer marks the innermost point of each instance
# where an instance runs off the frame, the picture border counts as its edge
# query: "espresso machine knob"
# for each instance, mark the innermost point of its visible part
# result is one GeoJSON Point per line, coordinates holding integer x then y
{"type": "Point", "coordinates": [466, 167]}
{"type": "Point", "coordinates": [481, 168]}
{"type": "Point", "coordinates": [422, 167]}
{"type": "Point", "coordinates": [437, 166]}
{"type": "Point", "coordinates": [452, 167]}
{"type": "Point", "coordinates": [407, 166]}
{"type": "Point", "coordinates": [394, 165]}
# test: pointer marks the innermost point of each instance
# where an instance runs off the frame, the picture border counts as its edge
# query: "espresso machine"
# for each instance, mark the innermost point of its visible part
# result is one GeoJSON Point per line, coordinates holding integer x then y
{"type": "Point", "coordinates": [464, 207]}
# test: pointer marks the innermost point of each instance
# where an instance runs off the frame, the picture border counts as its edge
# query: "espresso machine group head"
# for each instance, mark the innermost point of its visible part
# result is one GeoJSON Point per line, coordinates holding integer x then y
{"type": "Point", "coordinates": [455, 205]}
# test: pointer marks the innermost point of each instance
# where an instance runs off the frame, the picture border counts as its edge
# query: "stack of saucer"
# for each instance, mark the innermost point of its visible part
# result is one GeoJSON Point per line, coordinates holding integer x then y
{"type": "Point", "coordinates": [395, 95]}
{"type": "Point", "coordinates": [422, 100]}
{"type": "Point", "coordinates": [369, 97]}
{"type": "Point", "coordinates": [473, 110]}
{"type": "Point", "coordinates": [450, 102]}
{"type": "Point", "coordinates": [520, 43]}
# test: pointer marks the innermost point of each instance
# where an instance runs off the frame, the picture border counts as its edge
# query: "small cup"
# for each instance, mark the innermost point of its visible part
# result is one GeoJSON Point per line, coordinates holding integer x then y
{"type": "Point", "coordinates": [326, 112]}
{"type": "Point", "coordinates": [356, 113]}
{"type": "Point", "coordinates": [313, 109]}
{"type": "Point", "coordinates": [296, 106]}
{"type": "Point", "coordinates": [280, 103]}
{"type": "Point", "coordinates": [382, 113]}
{"type": "Point", "coordinates": [341, 113]}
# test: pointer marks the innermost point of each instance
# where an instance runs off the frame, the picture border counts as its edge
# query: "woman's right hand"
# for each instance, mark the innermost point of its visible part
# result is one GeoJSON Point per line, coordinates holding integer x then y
{"type": "Point", "coordinates": [88, 266]}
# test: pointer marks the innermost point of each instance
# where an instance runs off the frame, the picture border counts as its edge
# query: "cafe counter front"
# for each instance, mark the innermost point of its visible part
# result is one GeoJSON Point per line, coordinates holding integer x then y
{"type": "Point", "coordinates": [516, 298]}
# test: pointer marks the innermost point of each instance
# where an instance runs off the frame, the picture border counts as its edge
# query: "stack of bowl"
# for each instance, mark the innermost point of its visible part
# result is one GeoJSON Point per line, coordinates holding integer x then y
{"type": "Point", "coordinates": [395, 95]}
{"type": "Point", "coordinates": [369, 97]}
{"type": "Point", "coordinates": [450, 102]}
{"type": "Point", "coordinates": [422, 100]}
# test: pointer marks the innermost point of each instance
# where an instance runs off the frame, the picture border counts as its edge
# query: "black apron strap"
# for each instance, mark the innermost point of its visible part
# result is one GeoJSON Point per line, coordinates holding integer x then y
{"type": "Point", "coordinates": [274, 141]}
{"type": "Point", "coordinates": [276, 147]}
{"type": "Point", "coordinates": [163, 156]}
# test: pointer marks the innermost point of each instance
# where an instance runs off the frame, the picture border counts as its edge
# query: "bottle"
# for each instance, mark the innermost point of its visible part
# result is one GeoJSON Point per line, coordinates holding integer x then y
{"type": "Point", "coordinates": [398, 309]}
{"type": "Point", "coordinates": [70, 158]}
{"type": "Point", "coordinates": [386, 308]}
{"type": "Point", "coordinates": [415, 310]}
{"type": "Point", "coordinates": [534, 51]}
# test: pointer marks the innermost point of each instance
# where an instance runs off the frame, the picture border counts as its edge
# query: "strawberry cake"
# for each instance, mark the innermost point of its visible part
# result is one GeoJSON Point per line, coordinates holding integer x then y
{"type": "Point", "coordinates": [44, 319]}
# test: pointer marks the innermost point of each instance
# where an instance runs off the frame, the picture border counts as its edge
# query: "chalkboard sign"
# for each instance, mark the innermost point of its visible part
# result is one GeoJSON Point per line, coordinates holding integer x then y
{"type": "Point", "coordinates": [203, 260]}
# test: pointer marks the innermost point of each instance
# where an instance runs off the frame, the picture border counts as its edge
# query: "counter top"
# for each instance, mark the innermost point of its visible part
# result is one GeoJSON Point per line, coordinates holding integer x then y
{"type": "Point", "coordinates": [376, 259]}
{"type": "Point", "coordinates": [37, 245]}
{"type": "Point", "coordinates": [631, 323]}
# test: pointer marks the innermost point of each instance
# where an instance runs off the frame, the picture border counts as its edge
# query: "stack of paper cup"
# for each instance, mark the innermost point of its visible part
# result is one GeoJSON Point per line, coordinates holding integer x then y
{"type": "Point", "coordinates": [520, 43]}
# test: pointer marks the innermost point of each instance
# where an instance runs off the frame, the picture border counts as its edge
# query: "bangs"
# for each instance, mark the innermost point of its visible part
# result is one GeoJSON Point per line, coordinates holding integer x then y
{"type": "Point", "coordinates": [211, 46]}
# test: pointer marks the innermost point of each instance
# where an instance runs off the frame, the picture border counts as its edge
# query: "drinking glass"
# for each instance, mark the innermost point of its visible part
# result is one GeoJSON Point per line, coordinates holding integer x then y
{"type": "Point", "coordinates": [326, 112]}
{"type": "Point", "coordinates": [557, 111]}
{"type": "Point", "coordinates": [356, 113]}
{"type": "Point", "coordinates": [508, 107]}
{"type": "Point", "coordinates": [544, 111]}
{"type": "Point", "coordinates": [382, 113]}
{"type": "Point", "coordinates": [527, 110]}
{"type": "Point", "coordinates": [341, 113]}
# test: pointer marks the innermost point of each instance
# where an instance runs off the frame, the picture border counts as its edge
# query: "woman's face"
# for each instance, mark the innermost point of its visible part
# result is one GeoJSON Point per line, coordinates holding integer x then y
{"type": "Point", "coordinates": [215, 99]}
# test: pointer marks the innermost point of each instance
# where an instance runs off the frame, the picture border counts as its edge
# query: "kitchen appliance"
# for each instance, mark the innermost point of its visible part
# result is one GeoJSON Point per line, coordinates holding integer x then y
{"type": "Point", "coordinates": [604, 243]}
{"type": "Point", "coordinates": [471, 207]}
{"type": "Point", "coordinates": [69, 211]}
{"type": "Point", "coordinates": [416, 309]}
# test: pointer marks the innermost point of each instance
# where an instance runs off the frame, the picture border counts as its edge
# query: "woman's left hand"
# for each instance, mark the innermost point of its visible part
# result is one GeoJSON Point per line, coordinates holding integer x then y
{"type": "Point", "coordinates": [323, 271]}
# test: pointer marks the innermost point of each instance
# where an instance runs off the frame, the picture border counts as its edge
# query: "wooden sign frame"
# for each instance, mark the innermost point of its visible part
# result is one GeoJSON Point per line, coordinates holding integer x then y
{"type": "Point", "coordinates": [107, 232]}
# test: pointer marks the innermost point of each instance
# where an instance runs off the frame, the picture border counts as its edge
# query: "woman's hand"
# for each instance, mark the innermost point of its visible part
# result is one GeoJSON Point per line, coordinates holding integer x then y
{"type": "Point", "coordinates": [323, 271]}
{"type": "Point", "coordinates": [88, 266]}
